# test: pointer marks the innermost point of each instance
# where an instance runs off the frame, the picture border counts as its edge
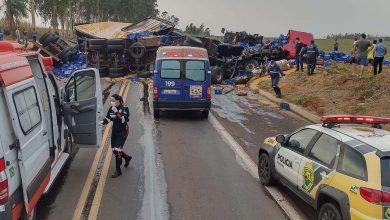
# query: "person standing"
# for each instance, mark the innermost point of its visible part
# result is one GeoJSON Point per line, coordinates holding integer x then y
{"type": "Point", "coordinates": [1, 34]}
{"type": "Point", "coordinates": [380, 53]}
{"type": "Point", "coordinates": [17, 33]}
{"type": "Point", "coordinates": [34, 34]}
{"type": "Point", "coordinates": [119, 115]}
{"type": "Point", "coordinates": [25, 38]}
{"type": "Point", "coordinates": [336, 46]}
{"type": "Point", "coordinates": [353, 52]}
{"type": "Point", "coordinates": [361, 48]}
{"type": "Point", "coordinates": [371, 52]}
{"type": "Point", "coordinates": [298, 56]}
{"type": "Point", "coordinates": [312, 53]}
{"type": "Point", "coordinates": [275, 72]}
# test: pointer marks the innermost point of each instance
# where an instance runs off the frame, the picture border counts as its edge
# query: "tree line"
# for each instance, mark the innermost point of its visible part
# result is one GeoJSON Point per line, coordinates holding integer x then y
{"type": "Point", "coordinates": [65, 13]}
{"type": "Point", "coordinates": [352, 36]}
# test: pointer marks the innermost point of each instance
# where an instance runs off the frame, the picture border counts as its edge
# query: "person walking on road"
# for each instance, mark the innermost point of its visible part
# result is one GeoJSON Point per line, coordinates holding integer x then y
{"type": "Point", "coordinates": [17, 33]}
{"type": "Point", "coordinates": [119, 115]}
{"type": "Point", "coordinates": [380, 53]}
{"type": "Point", "coordinates": [298, 56]}
{"type": "Point", "coordinates": [275, 72]}
{"type": "Point", "coordinates": [312, 53]}
{"type": "Point", "coordinates": [336, 46]}
{"type": "Point", "coordinates": [361, 47]}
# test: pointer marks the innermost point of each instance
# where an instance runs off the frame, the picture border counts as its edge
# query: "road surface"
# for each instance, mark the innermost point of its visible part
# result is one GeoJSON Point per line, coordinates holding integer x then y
{"type": "Point", "coordinates": [181, 169]}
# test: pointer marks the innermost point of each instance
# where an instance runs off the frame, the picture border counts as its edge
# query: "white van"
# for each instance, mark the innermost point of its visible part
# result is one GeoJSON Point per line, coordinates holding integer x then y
{"type": "Point", "coordinates": [39, 125]}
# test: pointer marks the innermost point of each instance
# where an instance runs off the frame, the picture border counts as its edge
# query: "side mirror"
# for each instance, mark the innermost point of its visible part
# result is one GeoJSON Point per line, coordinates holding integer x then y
{"type": "Point", "coordinates": [281, 139]}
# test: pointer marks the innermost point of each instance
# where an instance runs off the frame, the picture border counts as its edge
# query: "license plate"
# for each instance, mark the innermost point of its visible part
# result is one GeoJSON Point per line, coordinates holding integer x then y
{"type": "Point", "coordinates": [171, 92]}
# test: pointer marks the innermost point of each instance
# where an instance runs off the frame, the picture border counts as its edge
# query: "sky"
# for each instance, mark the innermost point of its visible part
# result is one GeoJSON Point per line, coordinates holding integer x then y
{"type": "Point", "coordinates": [274, 17]}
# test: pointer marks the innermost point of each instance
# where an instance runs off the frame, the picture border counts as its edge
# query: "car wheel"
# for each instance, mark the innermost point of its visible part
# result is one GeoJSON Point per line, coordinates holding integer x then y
{"type": "Point", "coordinates": [205, 114]}
{"type": "Point", "coordinates": [264, 170]}
{"type": "Point", "coordinates": [156, 113]}
{"type": "Point", "coordinates": [329, 211]}
{"type": "Point", "coordinates": [251, 65]}
{"type": "Point", "coordinates": [217, 75]}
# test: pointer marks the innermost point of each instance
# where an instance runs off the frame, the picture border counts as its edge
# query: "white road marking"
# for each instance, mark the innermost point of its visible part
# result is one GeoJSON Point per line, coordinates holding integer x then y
{"type": "Point", "coordinates": [250, 166]}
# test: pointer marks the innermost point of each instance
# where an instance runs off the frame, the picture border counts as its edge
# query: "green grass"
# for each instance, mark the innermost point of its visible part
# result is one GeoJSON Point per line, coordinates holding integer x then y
{"type": "Point", "coordinates": [345, 45]}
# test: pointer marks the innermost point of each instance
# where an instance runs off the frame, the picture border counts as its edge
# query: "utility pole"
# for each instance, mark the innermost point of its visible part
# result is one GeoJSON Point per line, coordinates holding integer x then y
{"type": "Point", "coordinates": [32, 12]}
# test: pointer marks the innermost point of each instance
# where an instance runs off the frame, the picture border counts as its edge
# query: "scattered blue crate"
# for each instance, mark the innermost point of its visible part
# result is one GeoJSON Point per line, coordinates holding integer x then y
{"type": "Point", "coordinates": [285, 106]}
{"type": "Point", "coordinates": [135, 79]}
{"type": "Point", "coordinates": [218, 91]}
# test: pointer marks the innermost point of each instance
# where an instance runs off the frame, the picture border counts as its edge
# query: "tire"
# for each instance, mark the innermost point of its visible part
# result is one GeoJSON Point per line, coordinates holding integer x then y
{"type": "Point", "coordinates": [65, 54]}
{"type": "Point", "coordinates": [205, 114]}
{"type": "Point", "coordinates": [44, 36]}
{"type": "Point", "coordinates": [52, 38]}
{"type": "Point", "coordinates": [216, 75]}
{"type": "Point", "coordinates": [156, 113]}
{"type": "Point", "coordinates": [103, 71]}
{"type": "Point", "coordinates": [115, 48]}
{"type": "Point", "coordinates": [137, 50]}
{"type": "Point", "coordinates": [329, 211]}
{"type": "Point", "coordinates": [251, 65]}
{"type": "Point", "coordinates": [116, 72]}
{"type": "Point", "coordinates": [193, 41]}
{"type": "Point", "coordinates": [264, 170]}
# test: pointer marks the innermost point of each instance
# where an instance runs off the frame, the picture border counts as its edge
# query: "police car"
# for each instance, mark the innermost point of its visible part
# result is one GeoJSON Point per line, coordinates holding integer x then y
{"type": "Point", "coordinates": [340, 167]}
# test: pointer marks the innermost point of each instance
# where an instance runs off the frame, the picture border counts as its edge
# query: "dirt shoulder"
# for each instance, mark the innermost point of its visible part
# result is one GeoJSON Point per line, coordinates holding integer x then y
{"type": "Point", "coordinates": [334, 91]}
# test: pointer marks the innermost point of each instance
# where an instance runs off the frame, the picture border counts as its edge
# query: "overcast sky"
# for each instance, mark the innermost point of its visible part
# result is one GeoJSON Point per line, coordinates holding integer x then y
{"type": "Point", "coordinates": [275, 17]}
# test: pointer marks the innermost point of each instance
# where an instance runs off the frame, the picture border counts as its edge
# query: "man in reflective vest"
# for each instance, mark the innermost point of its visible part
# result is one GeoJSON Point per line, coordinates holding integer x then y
{"type": "Point", "coordinates": [312, 53]}
{"type": "Point", "coordinates": [275, 72]}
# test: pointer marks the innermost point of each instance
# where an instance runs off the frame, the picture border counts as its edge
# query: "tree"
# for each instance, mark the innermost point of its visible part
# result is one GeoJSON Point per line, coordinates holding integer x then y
{"type": "Point", "coordinates": [14, 10]}
{"type": "Point", "coordinates": [171, 18]}
{"type": "Point", "coordinates": [197, 31]}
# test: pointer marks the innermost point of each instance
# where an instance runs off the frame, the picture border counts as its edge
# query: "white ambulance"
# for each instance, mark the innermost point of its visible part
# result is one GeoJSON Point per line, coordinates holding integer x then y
{"type": "Point", "coordinates": [40, 125]}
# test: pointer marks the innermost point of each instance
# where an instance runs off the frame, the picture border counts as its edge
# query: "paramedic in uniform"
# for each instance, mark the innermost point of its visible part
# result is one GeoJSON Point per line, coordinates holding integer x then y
{"type": "Point", "coordinates": [275, 72]}
{"type": "Point", "coordinates": [312, 53]}
{"type": "Point", "coordinates": [119, 115]}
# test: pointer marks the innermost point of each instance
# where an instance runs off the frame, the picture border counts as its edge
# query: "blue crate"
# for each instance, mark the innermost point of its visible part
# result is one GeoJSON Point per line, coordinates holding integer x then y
{"type": "Point", "coordinates": [285, 106]}
{"type": "Point", "coordinates": [218, 91]}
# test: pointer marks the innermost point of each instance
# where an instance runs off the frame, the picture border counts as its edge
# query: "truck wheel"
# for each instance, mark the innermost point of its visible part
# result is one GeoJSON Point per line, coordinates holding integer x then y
{"type": "Point", "coordinates": [216, 75]}
{"type": "Point", "coordinates": [329, 211]}
{"type": "Point", "coordinates": [43, 38]}
{"type": "Point", "coordinates": [264, 170]}
{"type": "Point", "coordinates": [137, 50]}
{"type": "Point", "coordinates": [52, 38]}
{"type": "Point", "coordinates": [116, 72]}
{"type": "Point", "coordinates": [205, 114]}
{"type": "Point", "coordinates": [156, 113]}
{"type": "Point", "coordinates": [65, 54]}
{"type": "Point", "coordinates": [251, 65]}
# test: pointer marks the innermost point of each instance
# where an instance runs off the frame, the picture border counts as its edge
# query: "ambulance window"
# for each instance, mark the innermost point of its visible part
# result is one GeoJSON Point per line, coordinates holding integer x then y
{"type": "Point", "coordinates": [81, 86]}
{"type": "Point", "coordinates": [385, 170]}
{"type": "Point", "coordinates": [324, 150]}
{"type": "Point", "coordinates": [299, 141]}
{"type": "Point", "coordinates": [352, 163]}
{"type": "Point", "coordinates": [170, 69]}
{"type": "Point", "coordinates": [195, 71]}
{"type": "Point", "coordinates": [27, 108]}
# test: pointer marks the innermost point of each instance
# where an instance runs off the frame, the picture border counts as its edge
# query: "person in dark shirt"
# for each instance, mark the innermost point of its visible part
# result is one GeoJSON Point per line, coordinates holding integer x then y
{"type": "Point", "coordinates": [275, 73]}
{"type": "Point", "coordinates": [336, 45]}
{"type": "Point", "coordinates": [312, 54]}
{"type": "Point", "coordinates": [298, 56]}
{"type": "Point", "coordinates": [119, 115]}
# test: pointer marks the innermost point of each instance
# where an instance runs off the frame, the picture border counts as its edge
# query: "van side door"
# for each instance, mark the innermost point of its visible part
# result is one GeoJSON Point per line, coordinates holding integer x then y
{"type": "Point", "coordinates": [83, 107]}
{"type": "Point", "coordinates": [196, 80]}
{"type": "Point", "coordinates": [168, 81]}
{"type": "Point", "coordinates": [30, 126]}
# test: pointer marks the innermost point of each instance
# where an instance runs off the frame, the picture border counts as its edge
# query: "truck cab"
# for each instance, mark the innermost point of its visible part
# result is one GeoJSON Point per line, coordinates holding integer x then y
{"type": "Point", "coordinates": [40, 126]}
{"type": "Point", "coordinates": [182, 80]}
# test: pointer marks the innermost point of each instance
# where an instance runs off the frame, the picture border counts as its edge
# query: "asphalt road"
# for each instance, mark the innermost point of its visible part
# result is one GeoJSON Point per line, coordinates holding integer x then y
{"type": "Point", "coordinates": [181, 168]}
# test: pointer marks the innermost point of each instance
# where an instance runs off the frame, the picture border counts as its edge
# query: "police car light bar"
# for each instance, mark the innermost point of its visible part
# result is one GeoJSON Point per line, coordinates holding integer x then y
{"type": "Point", "coordinates": [354, 119]}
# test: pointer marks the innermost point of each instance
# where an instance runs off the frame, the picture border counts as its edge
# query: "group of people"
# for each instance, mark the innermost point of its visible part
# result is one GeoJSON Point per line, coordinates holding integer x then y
{"type": "Point", "coordinates": [311, 52]}
{"type": "Point", "coordinates": [22, 35]}
{"type": "Point", "coordinates": [365, 52]}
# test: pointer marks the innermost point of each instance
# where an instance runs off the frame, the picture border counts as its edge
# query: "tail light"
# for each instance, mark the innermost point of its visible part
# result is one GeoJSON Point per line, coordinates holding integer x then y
{"type": "Point", "coordinates": [3, 183]}
{"type": "Point", "coordinates": [374, 196]}
{"type": "Point", "coordinates": [155, 92]}
{"type": "Point", "coordinates": [209, 93]}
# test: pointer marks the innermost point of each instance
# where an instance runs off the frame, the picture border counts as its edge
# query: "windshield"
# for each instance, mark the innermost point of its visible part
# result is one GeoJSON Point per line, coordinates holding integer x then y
{"type": "Point", "coordinates": [195, 70]}
{"type": "Point", "coordinates": [170, 69]}
{"type": "Point", "coordinates": [385, 167]}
